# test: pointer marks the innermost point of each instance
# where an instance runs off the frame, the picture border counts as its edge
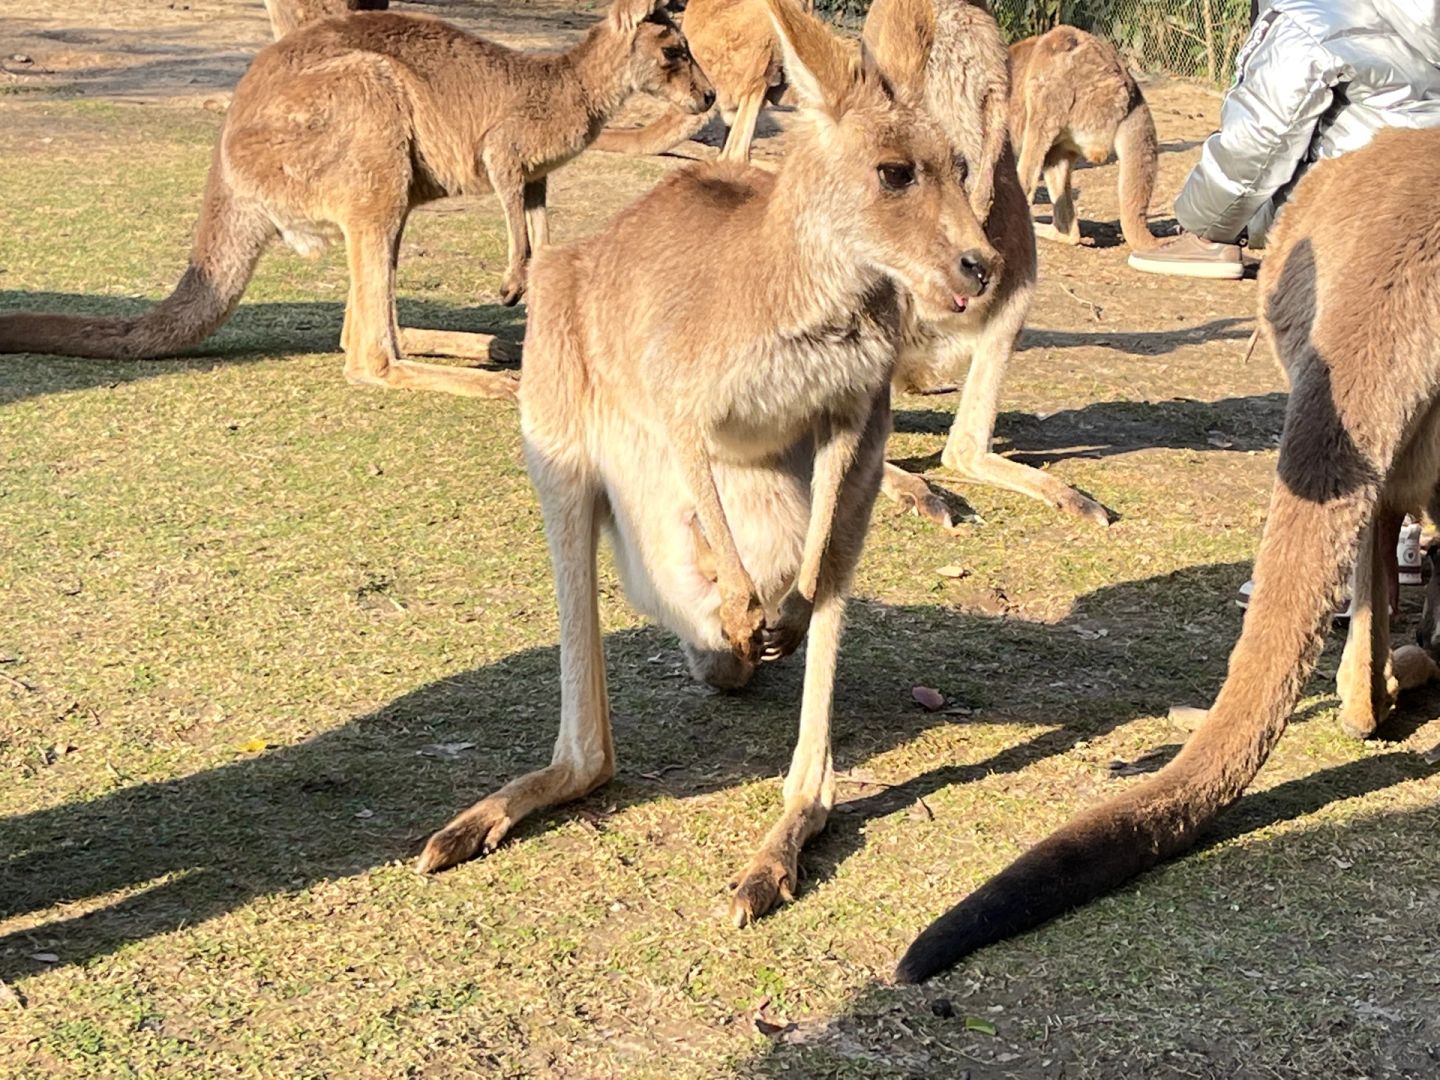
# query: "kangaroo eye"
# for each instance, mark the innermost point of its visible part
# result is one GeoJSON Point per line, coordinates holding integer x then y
{"type": "Point", "coordinates": [962, 168]}
{"type": "Point", "coordinates": [896, 176]}
{"type": "Point", "coordinates": [675, 54]}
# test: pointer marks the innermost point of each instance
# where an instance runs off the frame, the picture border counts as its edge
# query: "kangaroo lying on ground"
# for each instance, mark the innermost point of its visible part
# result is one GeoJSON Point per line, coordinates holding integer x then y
{"type": "Point", "coordinates": [344, 126]}
{"type": "Point", "coordinates": [1350, 302]}
{"type": "Point", "coordinates": [286, 15]}
{"type": "Point", "coordinates": [949, 54]}
{"type": "Point", "coordinates": [721, 411]}
{"type": "Point", "coordinates": [734, 45]}
{"type": "Point", "coordinates": [1072, 96]}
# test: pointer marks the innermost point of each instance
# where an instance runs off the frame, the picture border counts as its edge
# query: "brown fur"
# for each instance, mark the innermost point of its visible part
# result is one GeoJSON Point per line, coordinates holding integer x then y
{"type": "Point", "coordinates": [721, 410]}
{"type": "Point", "coordinates": [345, 125]}
{"type": "Point", "coordinates": [286, 15]}
{"type": "Point", "coordinates": [1350, 303]}
{"type": "Point", "coordinates": [1073, 97]}
{"type": "Point", "coordinates": [735, 45]}
{"type": "Point", "coordinates": [949, 54]}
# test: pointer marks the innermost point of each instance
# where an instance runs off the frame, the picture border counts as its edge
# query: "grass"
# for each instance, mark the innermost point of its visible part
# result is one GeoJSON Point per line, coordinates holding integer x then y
{"type": "Point", "coordinates": [248, 613]}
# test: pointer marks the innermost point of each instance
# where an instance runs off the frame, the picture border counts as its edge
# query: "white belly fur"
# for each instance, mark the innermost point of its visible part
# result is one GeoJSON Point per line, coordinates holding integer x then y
{"type": "Point", "coordinates": [650, 528]}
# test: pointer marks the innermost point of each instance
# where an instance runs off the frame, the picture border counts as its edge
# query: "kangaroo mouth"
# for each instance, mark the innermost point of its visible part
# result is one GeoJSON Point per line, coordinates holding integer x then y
{"type": "Point", "coordinates": [958, 303]}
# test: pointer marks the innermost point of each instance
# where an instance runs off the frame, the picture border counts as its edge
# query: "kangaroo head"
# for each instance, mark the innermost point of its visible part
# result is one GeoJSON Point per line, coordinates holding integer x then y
{"type": "Point", "coordinates": [660, 60]}
{"type": "Point", "coordinates": [882, 173]}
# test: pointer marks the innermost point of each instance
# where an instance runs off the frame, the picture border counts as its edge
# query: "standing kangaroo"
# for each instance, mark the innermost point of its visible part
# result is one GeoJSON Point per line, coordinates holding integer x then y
{"type": "Point", "coordinates": [286, 15]}
{"type": "Point", "coordinates": [1350, 303]}
{"type": "Point", "coordinates": [1073, 97]}
{"type": "Point", "coordinates": [347, 124]}
{"type": "Point", "coordinates": [735, 46]}
{"type": "Point", "coordinates": [721, 410]}
{"type": "Point", "coordinates": [949, 55]}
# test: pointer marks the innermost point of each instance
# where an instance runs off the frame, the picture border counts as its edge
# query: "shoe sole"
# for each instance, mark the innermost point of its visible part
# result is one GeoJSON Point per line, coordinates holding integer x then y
{"type": "Point", "coordinates": [1215, 271]}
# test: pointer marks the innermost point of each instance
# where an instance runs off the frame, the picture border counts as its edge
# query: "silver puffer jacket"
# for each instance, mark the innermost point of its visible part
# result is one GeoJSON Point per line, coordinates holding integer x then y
{"type": "Point", "coordinates": [1315, 79]}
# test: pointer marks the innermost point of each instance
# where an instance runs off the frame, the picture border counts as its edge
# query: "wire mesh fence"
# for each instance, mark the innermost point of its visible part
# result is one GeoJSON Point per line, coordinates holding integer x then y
{"type": "Point", "coordinates": [1193, 39]}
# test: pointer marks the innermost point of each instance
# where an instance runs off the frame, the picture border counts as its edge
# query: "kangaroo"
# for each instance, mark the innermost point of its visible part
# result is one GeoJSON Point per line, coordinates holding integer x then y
{"type": "Point", "coordinates": [1074, 97]}
{"type": "Point", "coordinates": [949, 54]}
{"type": "Point", "coordinates": [343, 127]}
{"type": "Point", "coordinates": [1350, 304]}
{"type": "Point", "coordinates": [286, 15]}
{"type": "Point", "coordinates": [734, 44]}
{"type": "Point", "coordinates": [721, 411]}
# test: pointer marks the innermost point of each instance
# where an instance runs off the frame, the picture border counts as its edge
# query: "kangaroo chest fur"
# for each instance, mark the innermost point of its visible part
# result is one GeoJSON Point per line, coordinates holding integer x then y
{"type": "Point", "coordinates": [774, 395]}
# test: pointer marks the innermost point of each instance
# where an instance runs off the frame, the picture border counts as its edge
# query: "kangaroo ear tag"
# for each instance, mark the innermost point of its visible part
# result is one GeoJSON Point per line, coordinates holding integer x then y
{"type": "Point", "coordinates": [1407, 552]}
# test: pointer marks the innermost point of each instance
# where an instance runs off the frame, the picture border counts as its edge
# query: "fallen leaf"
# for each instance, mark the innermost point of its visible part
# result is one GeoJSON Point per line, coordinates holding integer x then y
{"type": "Point", "coordinates": [445, 749]}
{"type": "Point", "coordinates": [768, 1027]}
{"type": "Point", "coordinates": [952, 571]}
{"type": "Point", "coordinates": [10, 996]}
{"type": "Point", "coordinates": [928, 698]}
{"type": "Point", "coordinates": [45, 957]}
{"type": "Point", "coordinates": [364, 812]}
{"type": "Point", "coordinates": [52, 754]}
{"type": "Point", "coordinates": [920, 811]}
{"type": "Point", "coordinates": [1431, 756]}
{"type": "Point", "coordinates": [254, 746]}
{"type": "Point", "coordinates": [980, 1024]}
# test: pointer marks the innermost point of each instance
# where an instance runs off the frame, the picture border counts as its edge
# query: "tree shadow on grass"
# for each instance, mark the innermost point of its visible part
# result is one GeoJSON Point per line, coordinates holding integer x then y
{"type": "Point", "coordinates": [205, 844]}
{"type": "Point", "coordinates": [256, 331]}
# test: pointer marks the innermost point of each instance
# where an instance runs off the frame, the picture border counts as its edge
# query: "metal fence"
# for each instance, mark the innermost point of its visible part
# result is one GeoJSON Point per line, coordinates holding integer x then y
{"type": "Point", "coordinates": [1193, 39]}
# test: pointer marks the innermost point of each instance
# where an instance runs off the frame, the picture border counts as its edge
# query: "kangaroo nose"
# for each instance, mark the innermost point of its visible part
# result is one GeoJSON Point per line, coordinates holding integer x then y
{"type": "Point", "coordinates": [708, 98]}
{"type": "Point", "coordinates": [974, 266]}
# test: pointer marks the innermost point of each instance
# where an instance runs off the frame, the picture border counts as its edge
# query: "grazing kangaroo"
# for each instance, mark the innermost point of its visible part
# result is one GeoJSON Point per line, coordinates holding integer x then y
{"type": "Point", "coordinates": [286, 15]}
{"type": "Point", "coordinates": [949, 54]}
{"type": "Point", "coordinates": [734, 45]}
{"type": "Point", "coordinates": [1350, 302]}
{"type": "Point", "coordinates": [721, 411]}
{"type": "Point", "coordinates": [347, 124]}
{"type": "Point", "coordinates": [1072, 97]}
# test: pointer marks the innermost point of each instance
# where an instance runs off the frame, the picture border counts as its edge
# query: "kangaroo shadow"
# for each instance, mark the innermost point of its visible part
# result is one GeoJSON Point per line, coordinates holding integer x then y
{"type": "Point", "coordinates": [1107, 428]}
{"type": "Point", "coordinates": [256, 331]}
{"type": "Point", "coordinates": [201, 845]}
{"type": "Point", "coordinates": [897, 1031]}
{"type": "Point", "coordinates": [1139, 342]}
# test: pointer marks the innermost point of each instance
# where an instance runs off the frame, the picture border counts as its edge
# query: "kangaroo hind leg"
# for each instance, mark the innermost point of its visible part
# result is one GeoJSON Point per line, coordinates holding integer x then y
{"type": "Point", "coordinates": [584, 755]}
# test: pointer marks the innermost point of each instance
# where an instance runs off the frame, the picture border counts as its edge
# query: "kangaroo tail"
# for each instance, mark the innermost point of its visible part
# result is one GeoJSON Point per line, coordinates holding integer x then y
{"type": "Point", "coordinates": [1136, 147]}
{"type": "Point", "coordinates": [228, 241]}
{"type": "Point", "coordinates": [657, 137]}
{"type": "Point", "coordinates": [1304, 558]}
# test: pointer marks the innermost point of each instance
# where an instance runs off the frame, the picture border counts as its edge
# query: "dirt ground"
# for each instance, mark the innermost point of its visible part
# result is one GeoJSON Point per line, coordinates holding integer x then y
{"type": "Point", "coordinates": [260, 632]}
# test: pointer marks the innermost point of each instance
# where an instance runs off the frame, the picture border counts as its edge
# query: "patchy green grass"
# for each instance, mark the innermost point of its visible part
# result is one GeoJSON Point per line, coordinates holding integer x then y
{"type": "Point", "coordinates": [244, 608]}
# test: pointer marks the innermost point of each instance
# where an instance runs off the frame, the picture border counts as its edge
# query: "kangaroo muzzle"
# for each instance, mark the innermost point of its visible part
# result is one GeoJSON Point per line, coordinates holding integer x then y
{"type": "Point", "coordinates": [970, 277]}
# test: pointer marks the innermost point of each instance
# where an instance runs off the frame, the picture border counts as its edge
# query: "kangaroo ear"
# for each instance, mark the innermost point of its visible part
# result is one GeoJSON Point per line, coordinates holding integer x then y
{"type": "Point", "coordinates": [626, 15]}
{"type": "Point", "coordinates": [818, 65]}
{"type": "Point", "coordinates": [871, 74]}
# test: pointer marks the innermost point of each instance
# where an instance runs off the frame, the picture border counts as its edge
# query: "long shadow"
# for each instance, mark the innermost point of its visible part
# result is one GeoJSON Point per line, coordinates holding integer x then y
{"type": "Point", "coordinates": [1140, 342]}
{"type": "Point", "coordinates": [255, 332]}
{"type": "Point", "coordinates": [895, 1031]}
{"type": "Point", "coordinates": [204, 844]}
{"type": "Point", "coordinates": [1106, 428]}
